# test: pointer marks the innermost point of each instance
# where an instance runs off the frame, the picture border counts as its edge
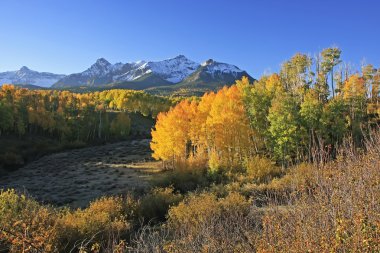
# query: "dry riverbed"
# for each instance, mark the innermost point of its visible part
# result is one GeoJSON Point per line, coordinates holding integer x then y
{"type": "Point", "coordinates": [79, 176]}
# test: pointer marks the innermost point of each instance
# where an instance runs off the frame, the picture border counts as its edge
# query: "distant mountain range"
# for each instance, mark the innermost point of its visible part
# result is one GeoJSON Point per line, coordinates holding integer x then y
{"type": "Point", "coordinates": [25, 76]}
{"type": "Point", "coordinates": [173, 75]}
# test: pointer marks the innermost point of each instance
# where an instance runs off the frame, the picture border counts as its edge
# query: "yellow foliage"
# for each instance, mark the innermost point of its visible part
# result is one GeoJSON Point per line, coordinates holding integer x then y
{"type": "Point", "coordinates": [105, 214]}
{"type": "Point", "coordinates": [354, 87]}
{"type": "Point", "coordinates": [171, 134]}
{"type": "Point", "coordinates": [25, 225]}
{"type": "Point", "coordinates": [262, 169]}
{"type": "Point", "coordinates": [217, 127]}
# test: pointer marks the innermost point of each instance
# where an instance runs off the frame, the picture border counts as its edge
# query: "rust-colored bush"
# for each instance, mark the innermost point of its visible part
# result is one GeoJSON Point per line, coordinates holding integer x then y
{"type": "Point", "coordinates": [25, 225]}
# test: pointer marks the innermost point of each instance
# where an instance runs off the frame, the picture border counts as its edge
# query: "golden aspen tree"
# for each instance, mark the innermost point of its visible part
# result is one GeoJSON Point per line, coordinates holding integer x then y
{"type": "Point", "coordinates": [354, 88]}
{"type": "Point", "coordinates": [217, 128]}
{"type": "Point", "coordinates": [230, 135]}
{"type": "Point", "coordinates": [354, 94]}
{"type": "Point", "coordinates": [171, 136]}
{"type": "Point", "coordinates": [199, 132]}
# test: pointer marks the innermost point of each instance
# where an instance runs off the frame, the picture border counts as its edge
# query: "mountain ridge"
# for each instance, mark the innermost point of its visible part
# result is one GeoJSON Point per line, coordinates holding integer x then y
{"type": "Point", "coordinates": [169, 75]}
{"type": "Point", "coordinates": [26, 76]}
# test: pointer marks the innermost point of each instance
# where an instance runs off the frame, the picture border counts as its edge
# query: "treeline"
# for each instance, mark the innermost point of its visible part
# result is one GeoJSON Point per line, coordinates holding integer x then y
{"type": "Point", "coordinates": [70, 116]}
{"type": "Point", "coordinates": [290, 116]}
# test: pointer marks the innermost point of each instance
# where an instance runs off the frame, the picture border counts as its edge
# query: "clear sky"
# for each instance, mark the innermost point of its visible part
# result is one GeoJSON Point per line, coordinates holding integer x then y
{"type": "Point", "coordinates": [67, 36]}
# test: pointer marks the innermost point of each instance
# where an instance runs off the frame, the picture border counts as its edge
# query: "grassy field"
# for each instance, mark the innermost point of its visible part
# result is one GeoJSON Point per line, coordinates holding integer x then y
{"type": "Point", "coordinates": [79, 176]}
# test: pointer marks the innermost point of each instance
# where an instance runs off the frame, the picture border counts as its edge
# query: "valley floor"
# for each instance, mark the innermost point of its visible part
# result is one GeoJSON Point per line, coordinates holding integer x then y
{"type": "Point", "coordinates": [79, 176]}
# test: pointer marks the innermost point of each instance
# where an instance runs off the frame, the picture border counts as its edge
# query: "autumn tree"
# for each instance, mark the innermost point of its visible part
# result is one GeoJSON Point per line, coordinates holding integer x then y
{"type": "Point", "coordinates": [68, 116]}
{"type": "Point", "coordinates": [217, 127]}
{"type": "Point", "coordinates": [230, 135]}
{"type": "Point", "coordinates": [355, 95]}
{"type": "Point", "coordinates": [170, 138]}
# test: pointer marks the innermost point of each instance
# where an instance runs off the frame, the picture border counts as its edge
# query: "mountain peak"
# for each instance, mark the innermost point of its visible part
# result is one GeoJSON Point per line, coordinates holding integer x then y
{"type": "Point", "coordinates": [24, 69]}
{"type": "Point", "coordinates": [208, 62]}
{"type": "Point", "coordinates": [181, 56]}
{"type": "Point", "coordinates": [99, 68]}
{"type": "Point", "coordinates": [102, 62]}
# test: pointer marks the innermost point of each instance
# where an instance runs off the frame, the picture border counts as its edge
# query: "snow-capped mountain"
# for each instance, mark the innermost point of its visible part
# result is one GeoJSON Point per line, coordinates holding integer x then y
{"type": "Point", "coordinates": [25, 76]}
{"type": "Point", "coordinates": [172, 70]}
{"type": "Point", "coordinates": [214, 73]}
{"type": "Point", "coordinates": [168, 71]}
{"type": "Point", "coordinates": [170, 74]}
{"type": "Point", "coordinates": [210, 76]}
{"type": "Point", "coordinates": [99, 73]}
{"type": "Point", "coordinates": [216, 68]}
{"type": "Point", "coordinates": [100, 68]}
{"type": "Point", "coordinates": [146, 74]}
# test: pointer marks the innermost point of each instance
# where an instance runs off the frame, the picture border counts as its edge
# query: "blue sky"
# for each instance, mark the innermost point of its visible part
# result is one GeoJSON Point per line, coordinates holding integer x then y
{"type": "Point", "coordinates": [68, 36]}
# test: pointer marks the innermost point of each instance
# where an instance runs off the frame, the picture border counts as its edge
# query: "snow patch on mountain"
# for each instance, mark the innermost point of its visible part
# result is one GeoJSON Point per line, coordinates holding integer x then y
{"type": "Point", "coordinates": [172, 70]}
{"type": "Point", "coordinates": [100, 68]}
{"type": "Point", "coordinates": [133, 72]}
{"type": "Point", "coordinates": [28, 76]}
{"type": "Point", "coordinates": [214, 67]}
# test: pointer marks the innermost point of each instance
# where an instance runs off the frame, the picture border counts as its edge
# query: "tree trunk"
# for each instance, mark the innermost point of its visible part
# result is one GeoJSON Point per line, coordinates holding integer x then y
{"type": "Point", "coordinates": [332, 81]}
{"type": "Point", "coordinates": [100, 125]}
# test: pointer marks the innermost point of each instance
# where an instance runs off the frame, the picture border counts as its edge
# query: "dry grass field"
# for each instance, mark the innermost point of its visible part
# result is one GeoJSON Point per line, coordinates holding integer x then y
{"type": "Point", "coordinates": [76, 177]}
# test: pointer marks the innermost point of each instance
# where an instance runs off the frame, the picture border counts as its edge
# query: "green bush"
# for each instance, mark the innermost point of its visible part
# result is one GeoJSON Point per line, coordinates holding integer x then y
{"type": "Point", "coordinates": [155, 205]}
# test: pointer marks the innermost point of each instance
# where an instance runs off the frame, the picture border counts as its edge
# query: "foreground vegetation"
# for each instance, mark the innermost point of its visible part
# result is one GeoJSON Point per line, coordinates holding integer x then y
{"type": "Point", "coordinates": [331, 207]}
{"type": "Point", "coordinates": [282, 165]}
